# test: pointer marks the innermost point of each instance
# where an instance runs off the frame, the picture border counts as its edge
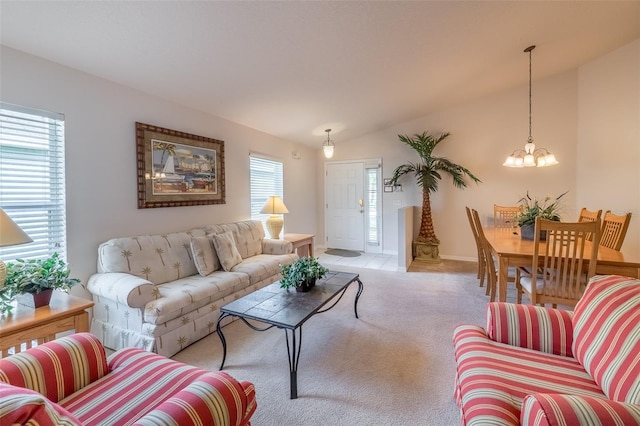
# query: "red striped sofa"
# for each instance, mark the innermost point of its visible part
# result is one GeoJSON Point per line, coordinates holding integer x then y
{"type": "Point", "coordinates": [541, 366]}
{"type": "Point", "coordinates": [70, 381]}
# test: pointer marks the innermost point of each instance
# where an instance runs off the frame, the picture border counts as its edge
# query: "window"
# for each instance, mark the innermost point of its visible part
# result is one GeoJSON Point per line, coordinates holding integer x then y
{"type": "Point", "coordinates": [266, 180]}
{"type": "Point", "coordinates": [32, 188]}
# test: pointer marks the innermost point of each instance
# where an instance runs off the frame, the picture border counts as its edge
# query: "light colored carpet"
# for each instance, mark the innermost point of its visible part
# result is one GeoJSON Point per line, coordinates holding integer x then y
{"type": "Point", "coordinates": [393, 366]}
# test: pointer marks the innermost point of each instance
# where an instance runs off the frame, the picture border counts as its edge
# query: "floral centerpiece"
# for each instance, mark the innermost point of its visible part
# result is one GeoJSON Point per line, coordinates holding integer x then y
{"type": "Point", "coordinates": [302, 274]}
{"type": "Point", "coordinates": [533, 208]}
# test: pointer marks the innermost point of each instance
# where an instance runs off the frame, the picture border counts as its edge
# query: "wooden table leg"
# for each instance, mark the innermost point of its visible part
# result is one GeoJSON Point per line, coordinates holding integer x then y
{"type": "Point", "coordinates": [503, 278]}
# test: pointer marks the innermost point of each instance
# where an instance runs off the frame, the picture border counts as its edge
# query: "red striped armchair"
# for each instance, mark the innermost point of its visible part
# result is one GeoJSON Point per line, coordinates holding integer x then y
{"type": "Point", "coordinates": [70, 381]}
{"type": "Point", "coordinates": [539, 366]}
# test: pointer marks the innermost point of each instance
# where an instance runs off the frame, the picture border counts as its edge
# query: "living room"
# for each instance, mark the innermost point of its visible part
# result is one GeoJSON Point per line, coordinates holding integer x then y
{"type": "Point", "coordinates": [587, 115]}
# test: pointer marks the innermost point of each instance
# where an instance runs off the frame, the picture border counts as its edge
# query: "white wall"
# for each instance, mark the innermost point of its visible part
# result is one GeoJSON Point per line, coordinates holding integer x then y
{"type": "Point", "coordinates": [609, 137]}
{"type": "Point", "coordinates": [100, 121]}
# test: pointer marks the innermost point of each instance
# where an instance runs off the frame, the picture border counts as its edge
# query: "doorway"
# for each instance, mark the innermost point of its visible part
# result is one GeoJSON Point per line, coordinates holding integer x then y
{"type": "Point", "coordinates": [353, 205]}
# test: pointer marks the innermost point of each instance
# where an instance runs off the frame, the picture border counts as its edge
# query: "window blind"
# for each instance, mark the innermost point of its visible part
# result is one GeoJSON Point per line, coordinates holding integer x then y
{"type": "Point", "coordinates": [266, 180]}
{"type": "Point", "coordinates": [32, 185]}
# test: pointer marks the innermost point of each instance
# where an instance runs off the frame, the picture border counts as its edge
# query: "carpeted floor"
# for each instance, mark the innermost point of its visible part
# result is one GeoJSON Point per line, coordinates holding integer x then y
{"type": "Point", "coordinates": [393, 366]}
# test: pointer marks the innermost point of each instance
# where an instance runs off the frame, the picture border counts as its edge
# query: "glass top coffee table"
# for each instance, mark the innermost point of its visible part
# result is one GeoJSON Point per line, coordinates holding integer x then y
{"type": "Point", "coordinates": [289, 309]}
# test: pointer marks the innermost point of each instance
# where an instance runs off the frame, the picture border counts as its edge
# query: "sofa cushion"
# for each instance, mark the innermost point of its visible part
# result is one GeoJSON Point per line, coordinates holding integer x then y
{"type": "Point", "coordinates": [264, 266]}
{"type": "Point", "coordinates": [204, 255]}
{"type": "Point", "coordinates": [225, 246]}
{"type": "Point", "coordinates": [157, 258]}
{"type": "Point", "coordinates": [493, 378]}
{"type": "Point", "coordinates": [248, 234]}
{"type": "Point", "coordinates": [606, 341]}
{"type": "Point", "coordinates": [20, 406]}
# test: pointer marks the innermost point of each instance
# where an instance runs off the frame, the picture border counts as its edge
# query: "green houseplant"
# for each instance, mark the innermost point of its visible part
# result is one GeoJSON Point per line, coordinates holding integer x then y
{"type": "Point", "coordinates": [428, 173]}
{"type": "Point", "coordinates": [533, 208]}
{"type": "Point", "coordinates": [302, 273]}
{"type": "Point", "coordinates": [35, 279]}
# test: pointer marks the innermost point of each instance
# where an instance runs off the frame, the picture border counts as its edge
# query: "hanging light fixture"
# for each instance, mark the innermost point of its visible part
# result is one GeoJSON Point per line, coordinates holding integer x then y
{"type": "Point", "coordinates": [530, 156]}
{"type": "Point", "coordinates": [328, 146]}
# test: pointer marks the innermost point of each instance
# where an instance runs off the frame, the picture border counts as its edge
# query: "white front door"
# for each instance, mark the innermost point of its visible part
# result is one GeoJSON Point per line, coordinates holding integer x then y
{"type": "Point", "coordinates": [344, 205]}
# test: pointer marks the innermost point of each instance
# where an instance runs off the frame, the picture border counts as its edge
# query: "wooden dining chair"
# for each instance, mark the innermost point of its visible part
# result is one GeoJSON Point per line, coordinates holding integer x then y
{"type": "Point", "coordinates": [614, 229]}
{"type": "Point", "coordinates": [489, 261]}
{"type": "Point", "coordinates": [505, 216]}
{"type": "Point", "coordinates": [560, 262]}
{"type": "Point", "coordinates": [479, 249]}
{"type": "Point", "coordinates": [589, 216]}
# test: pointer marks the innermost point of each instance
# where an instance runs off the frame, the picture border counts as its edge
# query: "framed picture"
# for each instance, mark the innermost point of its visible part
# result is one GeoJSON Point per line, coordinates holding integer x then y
{"type": "Point", "coordinates": [388, 188]}
{"type": "Point", "coordinates": [178, 169]}
{"type": "Point", "coordinates": [387, 181]}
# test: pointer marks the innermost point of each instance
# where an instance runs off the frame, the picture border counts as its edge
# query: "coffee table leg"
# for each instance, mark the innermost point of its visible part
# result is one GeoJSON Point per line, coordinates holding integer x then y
{"type": "Point", "coordinates": [222, 339]}
{"type": "Point", "coordinates": [293, 350]}
{"type": "Point", "coordinates": [360, 288]}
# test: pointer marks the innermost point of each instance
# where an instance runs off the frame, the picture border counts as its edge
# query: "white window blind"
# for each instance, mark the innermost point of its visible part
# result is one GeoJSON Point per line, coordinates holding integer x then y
{"type": "Point", "coordinates": [266, 180]}
{"type": "Point", "coordinates": [32, 187]}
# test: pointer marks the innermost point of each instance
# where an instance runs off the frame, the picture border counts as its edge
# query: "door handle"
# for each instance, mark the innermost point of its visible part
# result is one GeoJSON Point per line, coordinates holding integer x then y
{"type": "Point", "coordinates": [361, 202]}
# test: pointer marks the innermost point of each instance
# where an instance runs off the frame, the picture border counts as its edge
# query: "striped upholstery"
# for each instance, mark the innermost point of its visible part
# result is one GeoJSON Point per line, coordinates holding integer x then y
{"type": "Point", "coordinates": [554, 409]}
{"type": "Point", "coordinates": [20, 406]}
{"type": "Point", "coordinates": [533, 327]}
{"type": "Point", "coordinates": [139, 387]}
{"type": "Point", "coordinates": [607, 336]}
{"type": "Point", "coordinates": [57, 369]}
{"type": "Point", "coordinates": [523, 368]}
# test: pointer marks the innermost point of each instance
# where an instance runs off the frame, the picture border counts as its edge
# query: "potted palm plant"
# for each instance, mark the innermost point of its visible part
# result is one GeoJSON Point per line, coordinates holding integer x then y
{"type": "Point", "coordinates": [302, 274]}
{"type": "Point", "coordinates": [31, 282]}
{"type": "Point", "coordinates": [428, 173]}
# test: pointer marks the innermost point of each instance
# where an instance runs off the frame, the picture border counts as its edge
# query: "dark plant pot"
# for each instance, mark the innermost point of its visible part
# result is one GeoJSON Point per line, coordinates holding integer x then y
{"type": "Point", "coordinates": [527, 232]}
{"type": "Point", "coordinates": [35, 300]}
{"type": "Point", "coordinates": [306, 286]}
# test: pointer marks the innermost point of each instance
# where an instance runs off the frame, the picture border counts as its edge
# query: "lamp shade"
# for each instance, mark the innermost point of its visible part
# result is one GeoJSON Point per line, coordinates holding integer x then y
{"type": "Point", "coordinates": [10, 232]}
{"type": "Point", "coordinates": [274, 205]}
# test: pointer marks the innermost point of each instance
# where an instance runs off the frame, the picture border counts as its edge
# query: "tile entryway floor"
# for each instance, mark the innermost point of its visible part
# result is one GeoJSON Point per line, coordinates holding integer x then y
{"type": "Point", "coordinates": [382, 262]}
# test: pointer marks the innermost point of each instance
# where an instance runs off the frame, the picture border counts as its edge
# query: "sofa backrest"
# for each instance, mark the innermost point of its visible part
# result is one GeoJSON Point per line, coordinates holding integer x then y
{"type": "Point", "coordinates": [248, 235]}
{"type": "Point", "coordinates": [606, 336]}
{"type": "Point", "coordinates": [157, 258]}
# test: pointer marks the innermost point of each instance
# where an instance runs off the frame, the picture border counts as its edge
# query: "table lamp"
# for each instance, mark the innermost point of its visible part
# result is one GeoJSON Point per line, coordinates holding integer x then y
{"type": "Point", "coordinates": [10, 235]}
{"type": "Point", "coordinates": [274, 206]}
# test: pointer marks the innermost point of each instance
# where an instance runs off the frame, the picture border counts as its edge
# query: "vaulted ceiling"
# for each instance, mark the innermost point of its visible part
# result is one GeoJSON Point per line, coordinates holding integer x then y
{"type": "Point", "coordinates": [294, 68]}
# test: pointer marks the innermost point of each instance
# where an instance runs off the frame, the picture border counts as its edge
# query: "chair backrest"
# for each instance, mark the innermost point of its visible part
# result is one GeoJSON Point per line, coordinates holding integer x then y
{"type": "Point", "coordinates": [614, 229]}
{"type": "Point", "coordinates": [561, 260]}
{"type": "Point", "coordinates": [492, 273]}
{"type": "Point", "coordinates": [504, 216]}
{"type": "Point", "coordinates": [589, 216]}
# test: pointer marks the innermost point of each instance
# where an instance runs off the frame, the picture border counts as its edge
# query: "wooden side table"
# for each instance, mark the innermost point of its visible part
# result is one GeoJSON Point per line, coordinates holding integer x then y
{"type": "Point", "coordinates": [302, 243]}
{"type": "Point", "coordinates": [29, 327]}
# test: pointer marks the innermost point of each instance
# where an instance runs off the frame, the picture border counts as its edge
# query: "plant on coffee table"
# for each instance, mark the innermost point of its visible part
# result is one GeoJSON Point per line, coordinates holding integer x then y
{"type": "Point", "coordinates": [302, 274]}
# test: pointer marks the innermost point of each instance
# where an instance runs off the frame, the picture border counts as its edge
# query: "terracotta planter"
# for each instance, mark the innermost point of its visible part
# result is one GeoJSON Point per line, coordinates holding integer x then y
{"type": "Point", "coordinates": [35, 300]}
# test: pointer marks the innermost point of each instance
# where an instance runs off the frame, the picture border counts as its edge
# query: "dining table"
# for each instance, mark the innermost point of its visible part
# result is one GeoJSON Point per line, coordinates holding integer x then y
{"type": "Point", "coordinates": [511, 250]}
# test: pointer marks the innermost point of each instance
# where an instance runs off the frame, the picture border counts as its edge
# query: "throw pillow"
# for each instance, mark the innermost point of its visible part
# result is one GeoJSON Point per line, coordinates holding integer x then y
{"type": "Point", "coordinates": [23, 406]}
{"type": "Point", "coordinates": [226, 249]}
{"type": "Point", "coordinates": [204, 255]}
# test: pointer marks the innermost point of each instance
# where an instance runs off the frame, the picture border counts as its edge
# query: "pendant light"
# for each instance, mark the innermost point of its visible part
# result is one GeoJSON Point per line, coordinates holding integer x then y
{"type": "Point", "coordinates": [530, 156]}
{"type": "Point", "coordinates": [328, 146]}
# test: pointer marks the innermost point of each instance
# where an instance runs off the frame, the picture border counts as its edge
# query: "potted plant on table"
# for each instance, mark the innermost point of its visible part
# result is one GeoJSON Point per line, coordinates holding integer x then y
{"type": "Point", "coordinates": [532, 208]}
{"type": "Point", "coordinates": [302, 274]}
{"type": "Point", "coordinates": [31, 282]}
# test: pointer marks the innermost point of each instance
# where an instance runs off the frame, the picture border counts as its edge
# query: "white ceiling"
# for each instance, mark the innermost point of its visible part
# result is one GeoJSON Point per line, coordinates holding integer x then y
{"type": "Point", "coordinates": [294, 68]}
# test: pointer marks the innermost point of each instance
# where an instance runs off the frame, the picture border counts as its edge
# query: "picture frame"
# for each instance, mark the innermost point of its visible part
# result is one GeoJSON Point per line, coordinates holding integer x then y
{"type": "Point", "coordinates": [388, 188]}
{"type": "Point", "coordinates": [178, 169]}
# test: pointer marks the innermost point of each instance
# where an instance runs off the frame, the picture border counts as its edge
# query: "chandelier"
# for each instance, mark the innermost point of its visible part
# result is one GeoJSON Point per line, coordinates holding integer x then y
{"type": "Point", "coordinates": [530, 156]}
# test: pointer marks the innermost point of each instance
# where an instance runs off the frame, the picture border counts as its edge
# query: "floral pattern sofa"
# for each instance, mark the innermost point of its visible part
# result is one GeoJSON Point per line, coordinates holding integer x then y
{"type": "Point", "coordinates": [540, 366]}
{"type": "Point", "coordinates": [163, 292]}
{"type": "Point", "coordinates": [70, 381]}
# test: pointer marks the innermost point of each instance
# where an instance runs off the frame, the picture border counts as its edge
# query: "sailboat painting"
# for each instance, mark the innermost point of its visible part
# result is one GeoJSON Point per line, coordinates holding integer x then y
{"type": "Point", "coordinates": [182, 168]}
{"type": "Point", "coordinates": [178, 169]}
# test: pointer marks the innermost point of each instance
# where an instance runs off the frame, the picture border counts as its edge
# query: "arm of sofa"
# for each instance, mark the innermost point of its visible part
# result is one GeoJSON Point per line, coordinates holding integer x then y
{"type": "Point", "coordinates": [555, 409]}
{"type": "Point", "coordinates": [533, 327]}
{"type": "Point", "coordinates": [270, 246]}
{"type": "Point", "coordinates": [58, 368]}
{"type": "Point", "coordinates": [215, 398]}
{"type": "Point", "coordinates": [127, 289]}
